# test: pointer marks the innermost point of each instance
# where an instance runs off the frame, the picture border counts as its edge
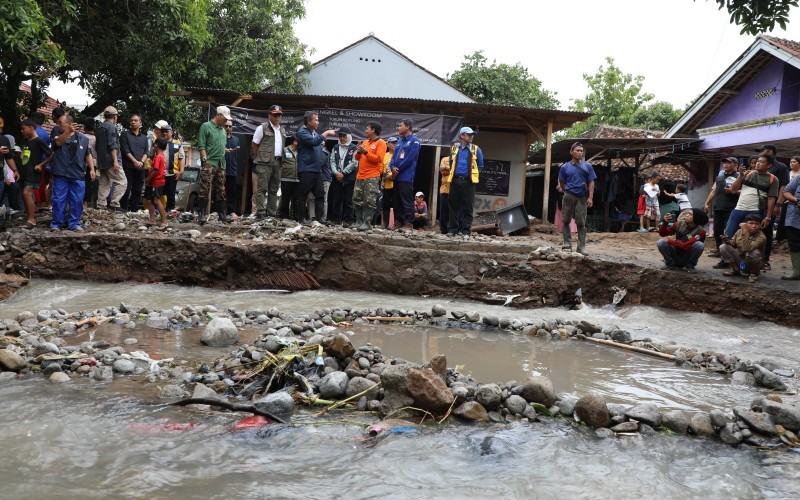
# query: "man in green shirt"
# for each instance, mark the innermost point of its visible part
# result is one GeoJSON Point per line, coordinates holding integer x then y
{"type": "Point", "coordinates": [211, 143]}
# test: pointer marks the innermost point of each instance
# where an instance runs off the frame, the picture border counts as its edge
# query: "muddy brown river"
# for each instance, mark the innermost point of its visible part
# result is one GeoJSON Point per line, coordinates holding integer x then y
{"type": "Point", "coordinates": [90, 439]}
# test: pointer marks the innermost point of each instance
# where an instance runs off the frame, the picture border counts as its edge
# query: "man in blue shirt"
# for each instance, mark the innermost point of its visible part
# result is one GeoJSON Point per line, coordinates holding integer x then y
{"type": "Point", "coordinates": [71, 158]}
{"type": "Point", "coordinates": [466, 160]}
{"type": "Point", "coordinates": [403, 166]}
{"type": "Point", "coordinates": [576, 179]}
{"type": "Point", "coordinates": [309, 166]}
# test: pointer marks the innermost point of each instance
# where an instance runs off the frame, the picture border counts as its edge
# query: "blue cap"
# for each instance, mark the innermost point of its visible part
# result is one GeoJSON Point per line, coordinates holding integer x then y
{"type": "Point", "coordinates": [391, 139]}
{"type": "Point", "coordinates": [466, 130]}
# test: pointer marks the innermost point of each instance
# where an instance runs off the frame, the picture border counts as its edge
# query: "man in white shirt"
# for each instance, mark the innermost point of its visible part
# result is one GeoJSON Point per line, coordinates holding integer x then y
{"type": "Point", "coordinates": [268, 153]}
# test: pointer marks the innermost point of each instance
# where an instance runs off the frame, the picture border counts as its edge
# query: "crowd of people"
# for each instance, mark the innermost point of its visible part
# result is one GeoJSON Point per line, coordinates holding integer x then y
{"type": "Point", "coordinates": [294, 176]}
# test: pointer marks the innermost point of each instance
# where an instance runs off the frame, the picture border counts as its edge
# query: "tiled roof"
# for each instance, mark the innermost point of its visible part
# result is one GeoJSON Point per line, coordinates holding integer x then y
{"type": "Point", "coordinates": [787, 45]}
{"type": "Point", "coordinates": [612, 132]}
{"type": "Point", "coordinates": [47, 108]}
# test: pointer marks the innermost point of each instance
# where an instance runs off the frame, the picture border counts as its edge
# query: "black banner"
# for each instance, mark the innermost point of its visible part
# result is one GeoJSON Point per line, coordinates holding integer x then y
{"type": "Point", "coordinates": [494, 178]}
{"type": "Point", "coordinates": [432, 130]}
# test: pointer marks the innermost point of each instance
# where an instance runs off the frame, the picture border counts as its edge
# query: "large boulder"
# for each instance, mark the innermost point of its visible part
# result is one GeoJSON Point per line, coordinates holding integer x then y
{"type": "Point", "coordinates": [395, 377]}
{"type": "Point", "coordinates": [592, 409]}
{"type": "Point", "coordinates": [757, 421]}
{"type": "Point", "coordinates": [220, 332]}
{"type": "Point", "coordinates": [338, 346]}
{"type": "Point", "coordinates": [11, 361]}
{"type": "Point", "coordinates": [471, 410]}
{"type": "Point", "coordinates": [357, 385]}
{"type": "Point", "coordinates": [279, 404]}
{"type": "Point", "coordinates": [539, 390]}
{"type": "Point", "coordinates": [782, 414]}
{"type": "Point", "coordinates": [646, 413]}
{"type": "Point", "coordinates": [333, 385]}
{"type": "Point", "coordinates": [766, 378]}
{"type": "Point", "coordinates": [677, 421]}
{"type": "Point", "coordinates": [438, 364]}
{"type": "Point", "coordinates": [429, 392]}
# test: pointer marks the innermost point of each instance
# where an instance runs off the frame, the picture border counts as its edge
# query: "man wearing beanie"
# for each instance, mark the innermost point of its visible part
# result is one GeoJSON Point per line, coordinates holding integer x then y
{"type": "Point", "coordinates": [685, 249]}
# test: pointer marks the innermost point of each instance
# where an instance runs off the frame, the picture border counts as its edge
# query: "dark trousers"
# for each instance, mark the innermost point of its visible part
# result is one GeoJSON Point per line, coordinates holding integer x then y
{"type": "Point", "coordinates": [170, 186]}
{"type": "Point", "coordinates": [403, 194]}
{"type": "Point", "coordinates": [461, 201]}
{"type": "Point", "coordinates": [444, 213]}
{"type": "Point", "coordinates": [310, 182]}
{"type": "Point", "coordinates": [793, 238]}
{"type": "Point", "coordinates": [770, 234]}
{"type": "Point", "coordinates": [131, 200]}
{"type": "Point", "coordinates": [231, 192]}
{"type": "Point", "coordinates": [340, 202]}
{"type": "Point", "coordinates": [288, 201]}
{"type": "Point", "coordinates": [720, 221]}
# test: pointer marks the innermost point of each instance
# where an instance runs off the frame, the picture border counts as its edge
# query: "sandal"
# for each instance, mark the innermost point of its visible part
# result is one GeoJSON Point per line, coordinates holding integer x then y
{"type": "Point", "coordinates": [731, 273]}
{"type": "Point", "coordinates": [753, 278]}
{"type": "Point", "coordinates": [28, 225]}
{"type": "Point", "coordinates": [766, 266]}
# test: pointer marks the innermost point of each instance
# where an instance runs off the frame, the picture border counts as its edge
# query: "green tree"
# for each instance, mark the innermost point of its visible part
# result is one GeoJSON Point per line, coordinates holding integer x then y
{"type": "Point", "coordinates": [27, 52]}
{"type": "Point", "coordinates": [659, 115]}
{"type": "Point", "coordinates": [758, 16]}
{"type": "Point", "coordinates": [501, 84]}
{"type": "Point", "coordinates": [614, 98]}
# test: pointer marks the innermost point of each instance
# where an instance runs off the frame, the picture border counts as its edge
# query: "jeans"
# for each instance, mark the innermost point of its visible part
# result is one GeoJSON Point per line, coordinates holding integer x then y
{"type": "Point", "coordinates": [67, 190]}
{"type": "Point", "coordinates": [737, 217]}
{"type": "Point", "coordinates": [674, 257]}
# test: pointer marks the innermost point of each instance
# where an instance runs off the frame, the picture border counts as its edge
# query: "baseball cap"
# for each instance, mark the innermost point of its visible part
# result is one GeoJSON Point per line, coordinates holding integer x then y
{"type": "Point", "coordinates": [391, 139]}
{"type": "Point", "coordinates": [345, 131]}
{"type": "Point", "coordinates": [275, 110]}
{"type": "Point", "coordinates": [225, 112]}
{"type": "Point", "coordinates": [162, 125]}
{"type": "Point", "coordinates": [466, 130]}
{"type": "Point", "coordinates": [419, 193]}
{"type": "Point", "coordinates": [110, 110]}
{"type": "Point", "coordinates": [731, 159]}
{"type": "Point", "coordinates": [768, 146]}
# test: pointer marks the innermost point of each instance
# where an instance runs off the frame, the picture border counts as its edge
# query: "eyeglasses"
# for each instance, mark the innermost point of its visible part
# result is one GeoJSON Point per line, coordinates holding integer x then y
{"type": "Point", "coordinates": [228, 126]}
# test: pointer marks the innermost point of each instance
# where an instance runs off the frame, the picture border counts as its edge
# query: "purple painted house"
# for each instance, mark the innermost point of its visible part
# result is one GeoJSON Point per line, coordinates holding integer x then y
{"type": "Point", "coordinates": [755, 101]}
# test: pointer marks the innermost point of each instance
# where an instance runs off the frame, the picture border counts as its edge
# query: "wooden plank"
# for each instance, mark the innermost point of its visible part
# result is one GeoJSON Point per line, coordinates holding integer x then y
{"type": "Point", "coordinates": [547, 157]}
{"type": "Point", "coordinates": [434, 201]}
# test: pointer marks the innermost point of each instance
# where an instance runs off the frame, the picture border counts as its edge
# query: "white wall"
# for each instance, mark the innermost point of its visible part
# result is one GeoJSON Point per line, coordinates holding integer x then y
{"type": "Point", "coordinates": [371, 69]}
{"type": "Point", "coordinates": [507, 147]}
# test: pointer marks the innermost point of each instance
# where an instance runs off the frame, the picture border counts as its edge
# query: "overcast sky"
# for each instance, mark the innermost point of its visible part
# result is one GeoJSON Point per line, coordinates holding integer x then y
{"type": "Point", "coordinates": [679, 46]}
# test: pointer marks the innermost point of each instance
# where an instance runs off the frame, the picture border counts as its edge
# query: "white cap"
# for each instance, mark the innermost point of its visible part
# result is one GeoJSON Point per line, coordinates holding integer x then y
{"type": "Point", "coordinates": [225, 112]}
{"type": "Point", "coordinates": [419, 193]}
{"type": "Point", "coordinates": [162, 125]}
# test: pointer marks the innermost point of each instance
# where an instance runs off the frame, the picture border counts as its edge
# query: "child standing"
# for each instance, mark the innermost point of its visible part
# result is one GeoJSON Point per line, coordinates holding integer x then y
{"type": "Point", "coordinates": [652, 213]}
{"type": "Point", "coordinates": [35, 149]}
{"type": "Point", "coordinates": [155, 181]}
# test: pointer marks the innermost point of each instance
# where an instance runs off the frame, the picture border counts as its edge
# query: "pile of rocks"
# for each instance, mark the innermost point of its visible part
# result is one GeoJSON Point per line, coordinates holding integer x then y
{"type": "Point", "coordinates": [553, 254]}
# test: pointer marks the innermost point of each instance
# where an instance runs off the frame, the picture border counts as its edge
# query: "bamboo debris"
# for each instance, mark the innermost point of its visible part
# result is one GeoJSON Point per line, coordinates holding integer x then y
{"type": "Point", "coordinates": [387, 318]}
{"type": "Point", "coordinates": [627, 347]}
{"type": "Point", "coordinates": [345, 401]}
{"type": "Point", "coordinates": [228, 406]}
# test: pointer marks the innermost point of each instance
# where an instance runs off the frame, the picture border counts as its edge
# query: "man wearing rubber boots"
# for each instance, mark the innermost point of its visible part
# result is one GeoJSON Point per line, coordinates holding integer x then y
{"type": "Point", "coordinates": [576, 178]}
{"type": "Point", "coordinates": [211, 143]}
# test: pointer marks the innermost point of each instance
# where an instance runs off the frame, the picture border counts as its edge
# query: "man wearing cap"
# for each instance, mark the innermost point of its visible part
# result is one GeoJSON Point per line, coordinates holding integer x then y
{"type": "Point", "coordinates": [268, 151]}
{"type": "Point", "coordinates": [420, 211]}
{"type": "Point", "coordinates": [175, 158]}
{"type": "Point", "coordinates": [309, 166]}
{"type": "Point", "coordinates": [781, 171]}
{"type": "Point", "coordinates": [108, 166]}
{"type": "Point", "coordinates": [387, 200]}
{"type": "Point", "coordinates": [211, 143]}
{"type": "Point", "coordinates": [404, 164]}
{"type": "Point", "coordinates": [133, 144]}
{"type": "Point", "coordinates": [343, 170]}
{"type": "Point", "coordinates": [576, 178]}
{"type": "Point", "coordinates": [724, 201]}
{"type": "Point", "coordinates": [466, 162]}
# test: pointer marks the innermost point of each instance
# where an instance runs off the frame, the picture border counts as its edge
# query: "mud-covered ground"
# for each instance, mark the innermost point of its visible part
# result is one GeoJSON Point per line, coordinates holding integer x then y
{"type": "Point", "coordinates": [494, 269]}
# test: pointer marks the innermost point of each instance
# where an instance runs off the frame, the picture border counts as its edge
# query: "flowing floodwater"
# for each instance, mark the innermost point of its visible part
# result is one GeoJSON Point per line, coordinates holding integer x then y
{"type": "Point", "coordinates": [91, 439]}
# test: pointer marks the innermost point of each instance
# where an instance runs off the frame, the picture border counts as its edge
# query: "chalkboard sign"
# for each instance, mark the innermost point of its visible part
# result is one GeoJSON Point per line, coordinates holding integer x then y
{"type": "Point", "coordinates": [494, 178]}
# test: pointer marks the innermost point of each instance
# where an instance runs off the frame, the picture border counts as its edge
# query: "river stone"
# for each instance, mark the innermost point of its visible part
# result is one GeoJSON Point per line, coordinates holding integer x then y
{"type": "Point", "coordinates": [783, 414]}
{"type": "Point", "coordinates": [103, 373]}
{"type": "Point", "coordinates": [539, 389]}
{"type": "Point", "coordinates": [279, 404]}
{"type": "Point", "coordinates": [516, 405]}
{"type": "Point", "coordinates": [766, 378]}
{"type": "Point", "coordinates": [743, 378]}
{"type": "Point", "coordinates": [159, 323]}
{"type": "Point", "coordinates": [429, 392]}
{"type": "Point", "coordinates": [701, 425]}
{"type": "Point", "coordinates": [471, 410]}
{"type": "Point", "coordinates": [592, 409]}
{"type": "Point", "coordinates": [460, 393]}
{"type": "Point", "coordinates": [603, 433]}
{"type": "Point", "coordinates": [473, 316]}
{"type": "Point", "coordinates": [59, 377]}
{"type": "Point", "coordinates": [11, 361]}
{"type": "Point", "coordinates": [43, 315]}
{"type": "Point", "coordinates": [759, 422]}
{"type": "Point", "coordinates": [333, 385]}
{"type": "Point", "coordinates": [438, 364]}
{"type": "Point", "coordinates": [616, 409]}
{"type": "Point", "coordinates": [566, 404]}
{"type": "Point", "coordinates": [646, 412]}
{"type": "Point", "coordinates": [363, 363]}
{"type": "Point", "coordinates": [46, 348]}
{"type": "Point", "coordinates": [171, 391]}
{"type": "Point", "coordinates": [357, 385]}
{"type": "Point", "coordinates": [489, 396]}
{"type": "Point", "coordinates": [220, 332]}
{"type": "Point", "coordinates": [395, 377]}
{"type": "Point", "coordinates": [676, 420]}
{"type": "Point", "coordinates": [124, 366]}
{"type": "Point", "coordinates": [730, 434]}
{"type": "Point", "coordinates": [338, 346]}
{"type": "Point", "coordinates": [621, 336]}
{"type": "Point", "coordinates": [438, 310]}
{"type": "Point", "coordinates": [51, 369]}
{"type": "Point", "coordinates": [491, 320]}
{"type": "Point", "coordinates": [24, 316]}
{"type": "Point", "coordinates": [626, 427]}
{"type": "Point", "coordinates": [719, 419]}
